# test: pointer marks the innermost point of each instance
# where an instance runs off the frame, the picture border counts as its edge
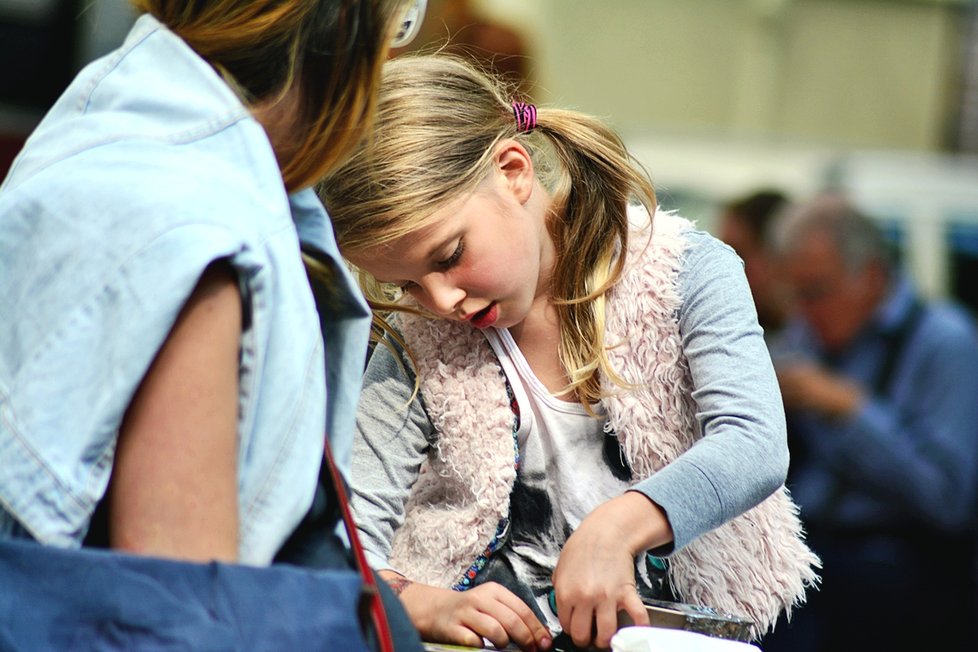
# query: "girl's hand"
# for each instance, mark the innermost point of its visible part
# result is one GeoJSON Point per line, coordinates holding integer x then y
{"type": "Point", "coordinates": [488, 611]}
{"type": "Point", "coordinates": [595, 575]}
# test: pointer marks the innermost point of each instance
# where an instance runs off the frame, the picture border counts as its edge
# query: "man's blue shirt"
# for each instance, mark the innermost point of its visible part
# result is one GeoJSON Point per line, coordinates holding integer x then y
{"type": "Point", "coordinates": [909, 457]}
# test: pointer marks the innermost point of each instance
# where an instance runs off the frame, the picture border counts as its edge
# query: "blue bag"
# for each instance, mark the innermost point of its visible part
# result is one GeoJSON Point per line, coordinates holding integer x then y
{"type": "Point", "coordinates": [55, 599]}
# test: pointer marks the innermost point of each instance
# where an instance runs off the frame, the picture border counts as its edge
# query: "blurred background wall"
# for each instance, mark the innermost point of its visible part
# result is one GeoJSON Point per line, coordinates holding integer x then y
{"type": "Point", "coordinates": [715, 97]}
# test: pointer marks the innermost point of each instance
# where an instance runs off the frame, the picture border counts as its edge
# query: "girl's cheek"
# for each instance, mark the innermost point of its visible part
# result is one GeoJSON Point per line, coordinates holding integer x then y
{"type": "Point", "coordinates": [481, 278]}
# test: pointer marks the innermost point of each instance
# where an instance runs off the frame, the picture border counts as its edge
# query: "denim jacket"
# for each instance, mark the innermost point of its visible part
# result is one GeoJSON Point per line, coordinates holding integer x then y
{"type": "Point", "coordinates": [145, 171]}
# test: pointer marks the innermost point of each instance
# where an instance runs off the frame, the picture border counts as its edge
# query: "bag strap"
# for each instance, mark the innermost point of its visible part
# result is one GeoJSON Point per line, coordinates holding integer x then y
{"type": "Point", "coordinates": [896, 343]}
{"type": "Point", "coordinates": [378, 615]}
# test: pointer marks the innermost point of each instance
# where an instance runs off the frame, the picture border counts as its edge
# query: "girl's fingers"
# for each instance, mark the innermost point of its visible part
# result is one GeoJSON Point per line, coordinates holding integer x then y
{"type": "Point", "coordinates": [632, 605]}
{"type": "Point", "coordinates": [590, 623]}
{"type": "Point", "coordinates": [488, 626]}
{"type": "Point", "coordinates": [524, 628]}
{"type": "Point", "coordinates": [605, 623]}
{"type": "Point", "coordinates": [581, 626]}
{"type": "Point", "coordinates": [517, 621]}
{"type": "Point", "coordinates": [461, 635]}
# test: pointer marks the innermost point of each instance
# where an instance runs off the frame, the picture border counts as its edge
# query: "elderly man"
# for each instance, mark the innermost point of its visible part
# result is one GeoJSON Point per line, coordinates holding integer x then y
{"type": "Point", "coordinates": [881, 393]}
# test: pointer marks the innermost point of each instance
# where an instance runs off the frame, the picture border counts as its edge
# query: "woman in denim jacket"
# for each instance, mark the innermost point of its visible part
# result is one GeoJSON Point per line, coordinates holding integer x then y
{"type": "Point", "coordinates": [162, 362]}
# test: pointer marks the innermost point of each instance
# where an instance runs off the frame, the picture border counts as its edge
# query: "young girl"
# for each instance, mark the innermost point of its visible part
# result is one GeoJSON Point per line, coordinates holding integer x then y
{"type": "Point", "coordinates": [593, 382]}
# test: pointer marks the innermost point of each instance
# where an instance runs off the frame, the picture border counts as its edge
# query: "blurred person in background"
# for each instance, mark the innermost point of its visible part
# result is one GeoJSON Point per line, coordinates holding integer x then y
{"type": "Point", "coordinates": [881, 399]}
{"type": "Point", "coordinates": [745, 223]}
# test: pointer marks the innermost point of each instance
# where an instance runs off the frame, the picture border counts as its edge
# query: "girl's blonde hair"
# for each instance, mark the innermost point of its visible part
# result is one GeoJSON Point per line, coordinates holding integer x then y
{"type": "Point", "coordinates": [438, 121]}
{"type": "Point", "coordinates": [331, 51]}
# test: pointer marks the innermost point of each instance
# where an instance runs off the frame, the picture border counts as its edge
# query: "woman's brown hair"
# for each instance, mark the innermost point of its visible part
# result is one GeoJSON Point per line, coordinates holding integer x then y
{"type": "Point", "coordinates": [329, 51]}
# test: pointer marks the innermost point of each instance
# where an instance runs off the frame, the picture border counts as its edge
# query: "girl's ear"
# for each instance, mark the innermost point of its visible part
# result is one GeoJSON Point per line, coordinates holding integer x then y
{"type": "Point", "coordinates": [515, 165]}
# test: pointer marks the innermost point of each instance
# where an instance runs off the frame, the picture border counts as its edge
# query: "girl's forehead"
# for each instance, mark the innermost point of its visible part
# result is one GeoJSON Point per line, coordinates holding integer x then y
{"type": "Point", "coordinates": [418, 244]}
{"type": "Point", "coordinates": [444, 219]}
{"type": "Point", "coordinates": [432, 229]}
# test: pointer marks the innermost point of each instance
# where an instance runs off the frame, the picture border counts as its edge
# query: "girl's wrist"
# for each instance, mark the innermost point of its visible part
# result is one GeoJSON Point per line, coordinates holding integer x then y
{"type": "Point", "coordinates": [644, 524]}
{"type": "Point", "coordinates": [417, 600]}
{"type": "Point", "coordinates": [398, 584]}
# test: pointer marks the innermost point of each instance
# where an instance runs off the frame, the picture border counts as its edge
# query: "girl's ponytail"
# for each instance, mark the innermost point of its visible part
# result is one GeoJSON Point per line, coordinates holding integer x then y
{"type": "Point", "coordinates": [593, 179]}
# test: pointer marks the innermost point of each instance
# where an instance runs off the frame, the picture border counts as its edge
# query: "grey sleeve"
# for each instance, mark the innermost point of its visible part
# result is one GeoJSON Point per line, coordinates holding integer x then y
{"type": "Point", "coordinates": [743, 455]}
{"type": "Point", "coordinates": [392, 438]}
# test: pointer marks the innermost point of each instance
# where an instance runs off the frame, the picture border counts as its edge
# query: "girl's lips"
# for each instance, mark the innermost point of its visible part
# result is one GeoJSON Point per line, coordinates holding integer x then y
{"type": "Point", "coordinates": [485, 317]}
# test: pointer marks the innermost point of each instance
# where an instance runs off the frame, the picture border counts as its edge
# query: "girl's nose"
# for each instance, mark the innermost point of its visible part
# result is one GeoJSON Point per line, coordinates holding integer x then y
{"type": "Point", "coordinates": [443, 298]}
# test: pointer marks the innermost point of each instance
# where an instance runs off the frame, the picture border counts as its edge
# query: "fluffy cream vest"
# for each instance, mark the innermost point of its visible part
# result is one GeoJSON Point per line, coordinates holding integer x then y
{"type": "Point", "coordinates": [755, 565]}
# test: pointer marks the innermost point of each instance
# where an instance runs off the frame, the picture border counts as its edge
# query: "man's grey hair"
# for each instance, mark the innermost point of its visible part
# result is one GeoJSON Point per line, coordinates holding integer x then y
{"type": "Point", "coordinates": [858, 239]}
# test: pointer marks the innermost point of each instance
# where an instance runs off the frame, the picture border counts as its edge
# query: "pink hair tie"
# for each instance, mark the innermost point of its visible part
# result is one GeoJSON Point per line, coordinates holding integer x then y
{"type": "Point", "coordinates": [526, 116]}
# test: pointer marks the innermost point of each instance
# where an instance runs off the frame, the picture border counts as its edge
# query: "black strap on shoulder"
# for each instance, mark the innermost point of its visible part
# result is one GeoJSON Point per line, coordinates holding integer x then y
{"type": "Point", "coordinates": [896, 343]}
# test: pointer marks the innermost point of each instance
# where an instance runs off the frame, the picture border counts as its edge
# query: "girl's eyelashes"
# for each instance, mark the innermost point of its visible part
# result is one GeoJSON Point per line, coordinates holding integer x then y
{"type": "Point", "coordinates": [454, 258]}
{"type": "Point", "coordinates": [448, 263]}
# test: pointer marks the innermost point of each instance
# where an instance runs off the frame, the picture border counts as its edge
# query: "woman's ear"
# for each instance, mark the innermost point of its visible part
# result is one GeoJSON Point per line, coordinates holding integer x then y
{"type": "Point", "coordinates": [515, 165]}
